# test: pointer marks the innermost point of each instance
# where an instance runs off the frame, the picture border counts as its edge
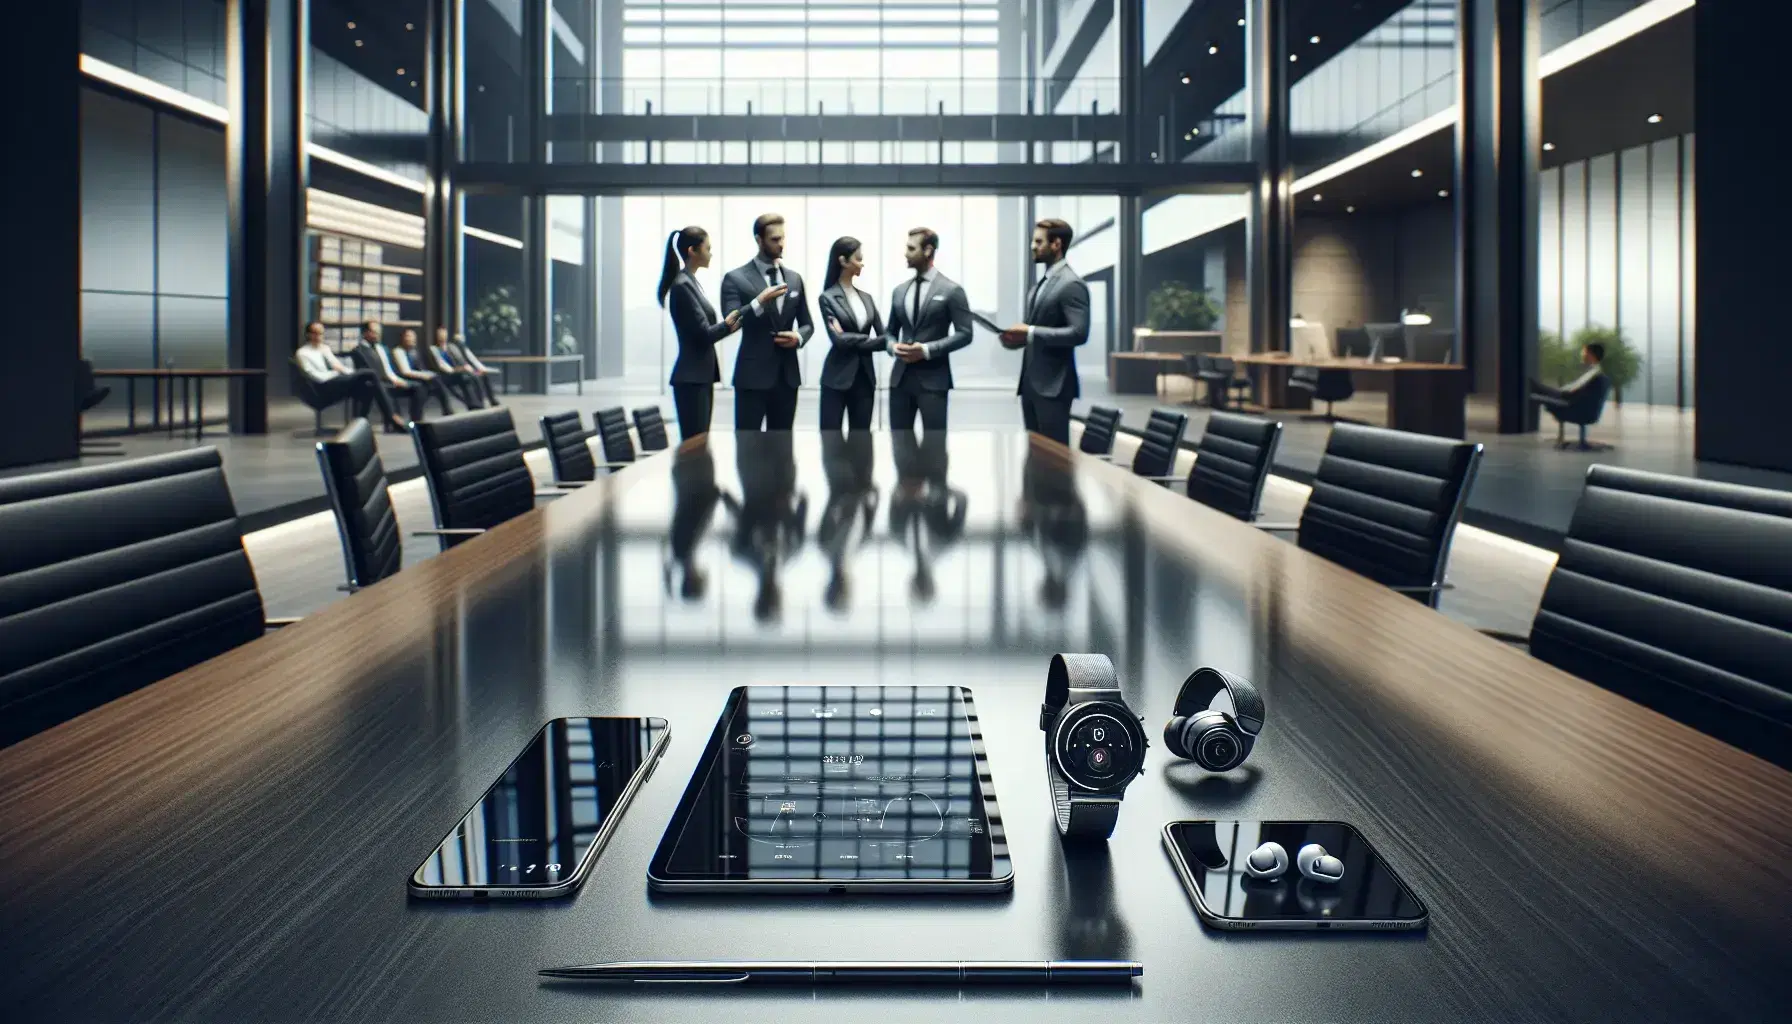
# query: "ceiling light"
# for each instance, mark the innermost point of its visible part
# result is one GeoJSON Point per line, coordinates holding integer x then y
{"type": "Point", "coordinates": [1194, 131]}
{"type": "Point", "coordinates": [1417, 173]}
{"type": "Point", "coordinates": [1415, 317]}
{"type": "Point", "coordinates": [1212, 48]}
{"type": "Point", "coordinates": [357, 42]}
{"type": "Point", "coordinates": [413, 85]}
{"type": "Point", "coordinates": [351, 24]}
{"type": "Point", "coordinates": [1184, 79]}
{"type": "Point", "coordinates": [1241, 23]}
{"type": "Point", "coordinates": [409, 27]}
{"type": "Point", "coordinates": [1654, 118]}
{"type": "Point", "coordinates": [1443, 193]}
{"type": "Point", "coordinates": [1314, 40]}
{"type": "Point", "coordinates": [1350, 209]}
{"type": "Point", "coordinates": [1294, 56]}
{"type": "Point", "coordinates": [1317, 197]}
{"type": "Point", "coordinates": [401, 71]}
{"type": "Point", "coordinates": [1547, 146]}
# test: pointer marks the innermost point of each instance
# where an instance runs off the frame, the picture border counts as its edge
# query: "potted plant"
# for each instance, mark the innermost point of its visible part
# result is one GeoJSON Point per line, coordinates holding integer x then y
{"type": "Point", "coordinates": [1558, 359]}
{"type": "Point", "coordinates": [565, 343]}
{"type": "Point", "coordinates": [495, 323]}
{"type": "Point", "coordinates": [1174, 306]}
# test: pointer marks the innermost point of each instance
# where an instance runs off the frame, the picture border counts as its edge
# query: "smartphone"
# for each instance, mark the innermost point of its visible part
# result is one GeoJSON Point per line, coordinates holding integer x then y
{"type": "Point", "coordinates": [1209, 858]}
{"type": "Point", "coordinates": [537, 830]}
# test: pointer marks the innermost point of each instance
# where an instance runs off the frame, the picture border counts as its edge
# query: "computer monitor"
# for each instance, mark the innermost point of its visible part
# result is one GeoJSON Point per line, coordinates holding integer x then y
{"type": "Point", "coordinates": [1386, 340]}
{"type": "Point", "coordinates": [1309, 341]}
{"type": "Point", "coordinates": [1355, 343]}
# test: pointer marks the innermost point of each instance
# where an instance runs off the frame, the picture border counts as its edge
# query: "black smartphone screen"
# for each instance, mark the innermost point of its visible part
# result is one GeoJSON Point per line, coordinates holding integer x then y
{"type": "Point", "coordinates": [1369, 894]}
{"type": "Point", "coordinates": [537, 824]}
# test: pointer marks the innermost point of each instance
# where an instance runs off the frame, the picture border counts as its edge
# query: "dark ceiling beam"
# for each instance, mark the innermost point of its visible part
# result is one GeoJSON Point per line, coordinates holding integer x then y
{"type": "Point", "coordinates": [985, 179]}
{"type": "Point", "coordinates": [834, 128]}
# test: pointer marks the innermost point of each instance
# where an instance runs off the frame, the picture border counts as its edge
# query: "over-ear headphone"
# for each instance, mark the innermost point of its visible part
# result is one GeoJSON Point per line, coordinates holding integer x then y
{"type": "Point", "coordinates": [1213, 739]}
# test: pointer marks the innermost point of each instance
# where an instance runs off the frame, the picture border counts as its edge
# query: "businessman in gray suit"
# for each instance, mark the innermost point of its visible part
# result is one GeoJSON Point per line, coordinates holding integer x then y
{"type": "Point", "coordinates": [930, 319]}
{"type": "Point", "coordinates": [774, 324]}
{"type": "Point", "coordinates": [1057, 322]}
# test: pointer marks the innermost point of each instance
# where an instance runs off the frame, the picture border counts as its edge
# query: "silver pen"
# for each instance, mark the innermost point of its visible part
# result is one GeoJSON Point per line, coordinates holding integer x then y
{"type": "Point", "coordinates": [803, 972]}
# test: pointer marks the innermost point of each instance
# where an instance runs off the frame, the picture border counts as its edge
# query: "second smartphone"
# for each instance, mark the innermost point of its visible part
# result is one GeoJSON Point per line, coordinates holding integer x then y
{"type": "Point", "coordinates": [1209, 859]}
{"type": "Point", "coordinates": [537, 830]}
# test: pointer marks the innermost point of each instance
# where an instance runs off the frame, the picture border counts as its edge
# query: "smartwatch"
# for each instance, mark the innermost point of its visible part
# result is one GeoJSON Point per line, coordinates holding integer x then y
{"type": "Point", "coordinates": [1094, 744]}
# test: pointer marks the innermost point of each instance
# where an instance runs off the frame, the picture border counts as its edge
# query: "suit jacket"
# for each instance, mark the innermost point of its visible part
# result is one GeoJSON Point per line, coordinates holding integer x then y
{"type": "Point", "coordinates": [944, 327]}
{"type": "Point", "coordinates": [1059, 315]}
{"type": "Point", "coordinates": [851, 352]}
{"type": "Point", "coordinates": [759, 363]}
{"type": "Point", "coordinates": [698, 328]}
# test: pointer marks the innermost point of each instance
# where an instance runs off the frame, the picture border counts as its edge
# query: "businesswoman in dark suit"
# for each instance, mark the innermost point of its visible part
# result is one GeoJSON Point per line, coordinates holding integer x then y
{"type": "Point", "coordinates": [848, 376]}
{"type": "Point", "coordinates": [695, 371]}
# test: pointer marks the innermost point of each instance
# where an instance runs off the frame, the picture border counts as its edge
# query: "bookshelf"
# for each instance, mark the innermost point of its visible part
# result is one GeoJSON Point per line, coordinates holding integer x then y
{"type": "Point", "coordinates": [354, 280]}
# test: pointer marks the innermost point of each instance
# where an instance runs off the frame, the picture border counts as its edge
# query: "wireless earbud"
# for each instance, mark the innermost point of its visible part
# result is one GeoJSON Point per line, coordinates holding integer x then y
{"type": "Point", "coordinates": [1316, 864]}
{"type": "Point", "coordinates": [1267, 861]}
{"type": "Point", "coordinates": [1215, 740]}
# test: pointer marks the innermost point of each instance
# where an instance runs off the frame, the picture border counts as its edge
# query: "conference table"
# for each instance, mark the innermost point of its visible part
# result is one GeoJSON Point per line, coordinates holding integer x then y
{"type": "Point", "coordinates": [232, 844]}
{"type": "Point", "coordinates": [169, 374]}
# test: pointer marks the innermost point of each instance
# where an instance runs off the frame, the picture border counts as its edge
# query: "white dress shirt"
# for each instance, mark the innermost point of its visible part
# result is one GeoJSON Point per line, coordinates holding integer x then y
{"type": "Point", "coordinates": [1585, 378]}
{"type": "Point", "coordinates": [319, 363]}
{"type": "Point", "coordinates": [856, 308]}
{"type": "Point", "coordinates": [379, 352]}
{"type": "Point", "coordinates": [767, 270]}
{"type": "Point", "coordinates": [1033, 296]}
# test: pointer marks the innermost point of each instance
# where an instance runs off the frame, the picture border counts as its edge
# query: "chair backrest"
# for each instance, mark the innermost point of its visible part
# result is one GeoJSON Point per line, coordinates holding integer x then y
{"type": "Point", "coordinates": [1158, 446]}
{"type": "Point", "coordinates": [652, 428]}
{"type": "Point", "coordinates": [1098, 430]}
{"type": "Point", "coordinates": [563, 433]}
{"type": "Point", "coordinates": [473, 464]}
{"type": "Point", "coordinates": [1203, 363]}
{"type": "Point", "coordinates": [355, 479]}
{"type": "Point", "coordinates": [1232, 462]}
{"type": "Point", "coordinates": [1385, 504]}
{"type": "Point", "coordinates": [1355, 342]}
{"type": "Point", "coordinates": [1223, 365]}
{"type": "Point", "coordinates": [113, 577]}
{"type": "Point", "coordinates": [1589, 402]}
{"type": "Point", "coordinates": [612, 429]}
{"type": "Point", "coordinates": [1430, 345]}
{"type": "Point", "coordinates": [1678, 593]}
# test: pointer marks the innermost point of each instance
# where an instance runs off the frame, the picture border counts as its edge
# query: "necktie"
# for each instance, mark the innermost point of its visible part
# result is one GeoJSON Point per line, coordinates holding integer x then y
{"type": "Point", "coordinates": [914, 307]}
{"type": "Point", "coordinates": [1033, 297]}
{"type": "Point", "coordinates": [775, 278]}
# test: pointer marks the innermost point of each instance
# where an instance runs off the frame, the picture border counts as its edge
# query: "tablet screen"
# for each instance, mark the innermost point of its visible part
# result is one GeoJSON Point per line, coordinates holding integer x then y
{"type": "Point", "coordinates": [811, 783]}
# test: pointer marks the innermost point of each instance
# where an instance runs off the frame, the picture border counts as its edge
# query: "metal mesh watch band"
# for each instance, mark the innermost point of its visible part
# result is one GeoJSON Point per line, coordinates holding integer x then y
{"type": "Point", "coordinates": [1088, 677]}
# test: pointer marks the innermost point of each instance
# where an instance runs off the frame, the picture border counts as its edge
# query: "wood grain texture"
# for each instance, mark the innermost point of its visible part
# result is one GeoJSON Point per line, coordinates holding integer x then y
{"type": "Point", "coordinates": [231, 844]}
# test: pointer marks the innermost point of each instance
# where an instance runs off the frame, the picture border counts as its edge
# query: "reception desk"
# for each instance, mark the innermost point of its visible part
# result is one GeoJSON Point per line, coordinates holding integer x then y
{"type": "Point", "coordinates": [1425, 398]}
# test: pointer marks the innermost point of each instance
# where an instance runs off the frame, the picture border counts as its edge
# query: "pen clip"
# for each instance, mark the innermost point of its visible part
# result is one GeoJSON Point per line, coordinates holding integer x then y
{"type": "Point", "coordinates": [732, 979]}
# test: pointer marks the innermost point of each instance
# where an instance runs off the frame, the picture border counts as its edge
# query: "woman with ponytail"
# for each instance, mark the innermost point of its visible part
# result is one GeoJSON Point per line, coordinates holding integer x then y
{"type": "Point", "coordinates": [694, 321]}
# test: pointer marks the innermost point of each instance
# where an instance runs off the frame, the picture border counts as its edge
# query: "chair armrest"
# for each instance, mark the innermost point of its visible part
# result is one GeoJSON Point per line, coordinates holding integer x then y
{"type": "Point", "coordinates": [614, 465]}
{"type": "Point", "coordinates": [1505, 637]}
{"type": "Point", "coordinates": [1278, 527]}
{"type": "Point", "coordinates": [1423, 588]}
{"type": "Point", "coordinates": [567, 485]}
{"type": "Point", "coordinates": [1164, 479]}
{"type": "Point", "coordinates": [462, 532]}
{"type": "Point", "coordinates": [280, 623]}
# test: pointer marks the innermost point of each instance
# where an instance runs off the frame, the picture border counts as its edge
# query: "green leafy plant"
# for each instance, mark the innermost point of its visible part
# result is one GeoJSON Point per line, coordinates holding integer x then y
{"type": "Point", "coordinates": [1558, 358]}
{"type": "Point", "coordinates": [495, 322]}
{"type": "Point", "coordinates": [565, 343]}
{"type": "Point", "coordinates": [1174, 306]}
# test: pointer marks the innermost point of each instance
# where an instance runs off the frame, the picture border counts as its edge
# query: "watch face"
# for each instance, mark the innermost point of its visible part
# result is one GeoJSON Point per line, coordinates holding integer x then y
{"type": "Point", "coordinates": [1099, 746]}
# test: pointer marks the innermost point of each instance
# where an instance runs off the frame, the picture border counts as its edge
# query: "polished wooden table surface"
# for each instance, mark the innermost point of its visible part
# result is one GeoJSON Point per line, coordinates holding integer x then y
{"type": "Point", "coordinates": [1426, 398]}
{"type": "Point", "coordinates": [232, 844]}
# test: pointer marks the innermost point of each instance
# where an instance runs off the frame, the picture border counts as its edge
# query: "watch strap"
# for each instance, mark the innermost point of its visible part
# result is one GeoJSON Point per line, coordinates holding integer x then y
{"type": "Point", "coordinates": [1204, 684]}
{"type": "Point", "coordinates": [1073, 672]}
{"type": "Point", "coordinates": [1087, 677]}
{"type": "Point", "coordinates": [1086, 817]}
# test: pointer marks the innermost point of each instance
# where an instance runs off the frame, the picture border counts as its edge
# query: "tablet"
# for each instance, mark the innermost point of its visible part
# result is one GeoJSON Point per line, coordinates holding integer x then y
{"type": "Point", "coordinates": [987, 322]}
{"type": "Point", "coordinates": [839, 789]}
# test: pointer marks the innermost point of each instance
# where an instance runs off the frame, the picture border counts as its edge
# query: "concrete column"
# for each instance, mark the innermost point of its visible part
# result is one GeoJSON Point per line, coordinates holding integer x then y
{"type": "Point", "coordinates": [265, 49]}
{"type": "Point", "coordinates": [1269, 225]}
{"type": "Point", "coordinates": [1498, 135]}
{"type": "Point", "coordinates": [443, 216]}
{"type": "Point", "coordinates": [537, 313]}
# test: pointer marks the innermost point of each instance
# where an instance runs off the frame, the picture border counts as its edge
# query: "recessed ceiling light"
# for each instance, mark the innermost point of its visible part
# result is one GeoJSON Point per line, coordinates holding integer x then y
{"type": "Point", "coordinates": [1417, 173]}
{"type": "Point", "coordinates": [401, 71]}
{"type": "Point", "coordinates": [1654, 118]}
{"type": "Point", "coordinates": [1212, 48]}
{"type": "Point", "coordinates": [1443, 193]}
{"type": "Point", "coordinates": [351, 25]}
{"type": "Point", "coordinates": [413, 85]}
{"type": "Point", "coordinates": [1350, 209]}
{"type": "Point", "coordinates": [1547, 146]}
{"type": "Point", "coordinates": [1294, 56]}
{"type": "Point", "coordinates": [1314, 40]}
{"type": "Point", "coordinates": [1184, 79]}
{"type": "Point", "coordinates": [409, 27]}
{"type": "Point", "coordinates": [1317, 197]}
{"type": "Point", "coordinates": [357, 42]}
{"type": "Point", "coordinates": [1241, 23]}
{"type": "Point", "coordinates": [1194, 131]}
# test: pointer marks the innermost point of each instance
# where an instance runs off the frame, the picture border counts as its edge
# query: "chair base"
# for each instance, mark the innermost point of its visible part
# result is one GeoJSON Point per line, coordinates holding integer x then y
{"type": "Point", "coordinates": [1583, 446]}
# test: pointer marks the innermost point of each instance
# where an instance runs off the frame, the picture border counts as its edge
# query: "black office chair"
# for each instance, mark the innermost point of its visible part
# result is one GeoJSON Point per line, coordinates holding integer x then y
{"type": "Point", "coordinates": [1385, 504]}
{"type": "Point", "coordinates": [90, 395]}
{"type": "Point", "coordinates": [1232, 463]}
{"type": "Point", "coordinates": [473, 465]}
{"type": "Point", "coordinates": [305, 390]}
{"type": "Point", "coordinates": [1221, 376]}
{"type": "Point", "coordinates": [612, 430]}
{"type": "Point", "coordinates": [1425, 345]}
{"type": "Point", "coordinates": [1326, 386]}
{"type": "Point", "coordinates": [97, 603]}
{"type": "Point", "coordinates": [355, 479]}
{"type": "Point", "coordinates": [1156, 457]}
{"type": "Point", "coordinates": [1677, 593]}
{"type": "Point", "coordinates": [1583, 408]}
{"type": "Point", "coordinates": [651, 427]}
{"type": "Point", "coordinates": [1099, 428]}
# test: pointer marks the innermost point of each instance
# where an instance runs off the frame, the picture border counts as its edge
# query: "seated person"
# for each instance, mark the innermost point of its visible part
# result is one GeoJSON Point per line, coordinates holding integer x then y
{"type": "Point", "coordinates": [460, 380]}
{"type": "Point", "coordinates": [469, 361]}
{"type": "Point", "coordinates": [409, 364]}
{"type": "Point", "coordinates": [336, 381]}
{"type": "Point", "coordinates": [1591, 356]}
{"type": "Point", "coordinates": [390, 381]}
